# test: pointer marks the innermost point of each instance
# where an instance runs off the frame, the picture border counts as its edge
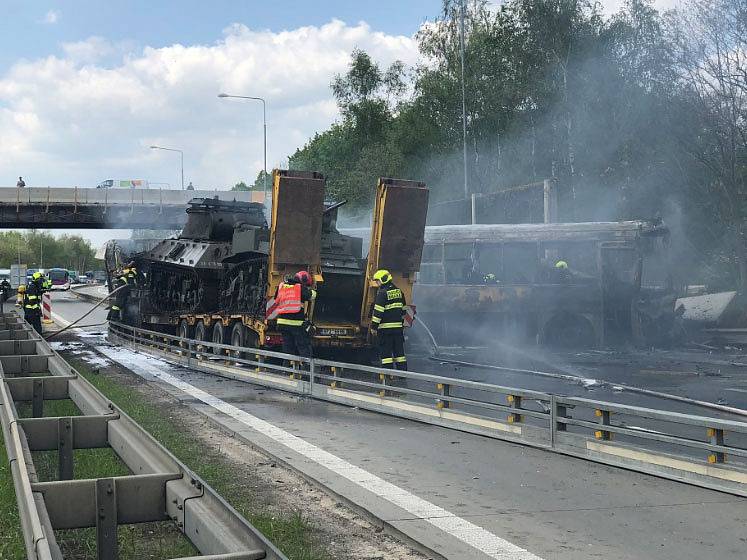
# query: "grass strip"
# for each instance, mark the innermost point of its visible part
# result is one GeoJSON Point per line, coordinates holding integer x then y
{"type": "Point", "coordinates": [290, 532]}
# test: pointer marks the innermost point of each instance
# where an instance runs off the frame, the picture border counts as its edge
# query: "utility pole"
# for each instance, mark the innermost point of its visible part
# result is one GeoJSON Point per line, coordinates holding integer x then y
{"type": "Point", "coordinates": [464, 109]}
{"type": "Point", "coordinates": [264, 125]}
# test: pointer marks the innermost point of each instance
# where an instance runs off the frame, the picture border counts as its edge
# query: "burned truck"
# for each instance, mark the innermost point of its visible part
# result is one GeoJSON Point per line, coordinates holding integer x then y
{"type": "Point", "coordinates": [214, 280]}
{"type": "Point", "coordinates": [507, 282]}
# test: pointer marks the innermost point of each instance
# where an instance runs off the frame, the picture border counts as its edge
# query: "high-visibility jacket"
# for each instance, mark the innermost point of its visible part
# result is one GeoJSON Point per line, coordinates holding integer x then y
{"type": "Point", "coordinates": [289, 304]}
{"type": "Point", "coordinates": [389, 307]}
{"type": "Point", "coordinates": [32, 296]}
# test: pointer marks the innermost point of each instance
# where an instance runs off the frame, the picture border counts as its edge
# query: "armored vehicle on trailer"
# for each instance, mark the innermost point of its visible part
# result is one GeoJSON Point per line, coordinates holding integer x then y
{"type": "Point", "coordinates": [214, 280]}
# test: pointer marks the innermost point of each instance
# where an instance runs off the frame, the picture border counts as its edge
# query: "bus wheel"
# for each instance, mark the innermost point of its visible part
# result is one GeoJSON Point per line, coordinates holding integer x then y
{"type": "Point", "coordinates": [218, 337]}
{"type": "Point", "coordinates": [569, 331]}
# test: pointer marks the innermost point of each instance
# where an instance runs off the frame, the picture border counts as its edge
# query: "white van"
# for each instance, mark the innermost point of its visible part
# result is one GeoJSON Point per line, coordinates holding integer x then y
{"type": "Point", "coordinates": [123, 184]}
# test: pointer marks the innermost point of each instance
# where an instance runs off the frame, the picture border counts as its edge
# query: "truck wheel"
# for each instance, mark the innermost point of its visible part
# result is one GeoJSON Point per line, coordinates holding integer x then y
{"type": "Point", "coordinates": [200, 335]}
{"type": "Point", "coordinates": [183, 332]}
{"type": "Point", "coordinates": [218, 337]}
{"type": "Point", "coordinates": [238, 334]}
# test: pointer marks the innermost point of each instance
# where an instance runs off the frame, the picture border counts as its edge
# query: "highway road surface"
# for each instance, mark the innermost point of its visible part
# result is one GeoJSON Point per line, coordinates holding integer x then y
{"type": "Point", "coordinates": [460, 495]}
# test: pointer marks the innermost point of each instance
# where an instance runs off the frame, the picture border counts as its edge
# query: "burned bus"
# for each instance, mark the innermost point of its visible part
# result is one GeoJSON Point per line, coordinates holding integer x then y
{"type": "Point", "coordinates": [508, 282]}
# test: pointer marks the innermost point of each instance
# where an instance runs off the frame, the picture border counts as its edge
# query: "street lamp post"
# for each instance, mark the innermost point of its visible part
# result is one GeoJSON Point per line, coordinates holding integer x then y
{"type": "Point", "coordinates": [181, 154]}
{"type": "Point", "coordinates": [264, 124]}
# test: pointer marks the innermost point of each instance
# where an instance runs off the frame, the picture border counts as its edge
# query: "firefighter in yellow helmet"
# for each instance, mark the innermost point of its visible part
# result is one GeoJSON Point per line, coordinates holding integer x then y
{"type": "Point", "coordinates": [562, 273]}
{"type": "Point", "coordinates": [32, 300]}
{"type": "Point", "coordinates": [386, 322]}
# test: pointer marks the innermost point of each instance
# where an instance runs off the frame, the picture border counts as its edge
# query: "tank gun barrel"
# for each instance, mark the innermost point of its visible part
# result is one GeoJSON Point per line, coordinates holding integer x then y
{"type": "Point", "coordinates": [335, 206]}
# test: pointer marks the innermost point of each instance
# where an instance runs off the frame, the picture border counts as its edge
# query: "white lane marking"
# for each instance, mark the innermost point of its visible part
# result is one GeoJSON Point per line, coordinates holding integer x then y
{"type": "Point", "coordinates": [469, 533]}
{"type": "Point", "coordinates": [58, 319]}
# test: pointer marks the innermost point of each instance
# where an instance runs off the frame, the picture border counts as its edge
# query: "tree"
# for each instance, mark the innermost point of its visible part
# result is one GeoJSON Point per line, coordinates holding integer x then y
{"type": "Point", "coordinates": [40, 249]}
{"type": "Point", "coordinates": [240, 186]}
{"type": "Point", "coordinates": [353, 152]}
{"type": "Point", "coordinates": [712, 60]}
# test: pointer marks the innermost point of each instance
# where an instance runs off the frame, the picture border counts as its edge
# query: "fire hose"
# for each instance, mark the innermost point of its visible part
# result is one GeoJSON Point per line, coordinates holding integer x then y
{"type": "Point", "coordinates": [98, 304]}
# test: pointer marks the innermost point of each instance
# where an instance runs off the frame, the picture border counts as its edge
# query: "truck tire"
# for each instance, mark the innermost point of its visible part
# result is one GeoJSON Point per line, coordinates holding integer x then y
{"type": "Point", "coordinates": [218, 337]}
{"type": "Point", "coordinates": [200, 335]}
{"type": "Point", "coordinates": [184, 331]}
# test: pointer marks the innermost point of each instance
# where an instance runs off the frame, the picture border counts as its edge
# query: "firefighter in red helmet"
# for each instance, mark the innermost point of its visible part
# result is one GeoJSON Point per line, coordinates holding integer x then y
{"type": "Point", "coordinates": [292, 322]}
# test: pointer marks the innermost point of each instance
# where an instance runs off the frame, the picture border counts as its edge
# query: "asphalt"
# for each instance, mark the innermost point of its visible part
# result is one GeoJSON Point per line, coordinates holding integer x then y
{"type": "Point", "coordinates": [552, 506]}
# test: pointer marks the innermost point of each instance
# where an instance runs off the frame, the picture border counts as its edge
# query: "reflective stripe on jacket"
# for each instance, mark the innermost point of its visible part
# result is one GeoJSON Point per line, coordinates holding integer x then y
{"type": "Point", "coordinates": [388, 308]}
{"type": "Point", "coordinates": [288, 299]}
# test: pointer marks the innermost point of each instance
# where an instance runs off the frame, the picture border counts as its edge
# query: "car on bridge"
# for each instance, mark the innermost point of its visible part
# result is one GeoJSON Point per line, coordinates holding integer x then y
{"type": "Point", "coordinates": [123, 184]}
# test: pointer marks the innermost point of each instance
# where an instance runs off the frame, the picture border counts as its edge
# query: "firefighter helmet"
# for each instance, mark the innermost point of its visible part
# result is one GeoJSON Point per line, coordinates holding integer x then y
{"type": "Point", "coordinates": [21, 288]}
{"type": "Point", "coordinates": [303, 277]}
{"type": "Point", "coordinates": [561, 264]}
{"type": "Point", "coordinates": [36, 275]}
{"type": "Point", "coordinates": [382, 276]}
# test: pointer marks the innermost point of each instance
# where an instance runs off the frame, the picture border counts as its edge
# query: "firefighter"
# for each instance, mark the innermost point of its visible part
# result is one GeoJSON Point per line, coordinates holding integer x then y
{"type": "Point", "coordinates": [386, 322]}
{"type": "Point", "coordinates": [20, 295]}
{"type": "Point", "coordinates": [32, 296]}
{"type": "Point", "coordinates": [292, 294]}
{"type": "Point", "coordinates": [4, 291]}
{"type": "Point", "coordinates": [41, 282]}
{"type": "Point", "coordinates": [115, 311]}
{"type": "Point", "coordinates": [562, 272]}
{"type": "Point", "coordinates": [131, 274]}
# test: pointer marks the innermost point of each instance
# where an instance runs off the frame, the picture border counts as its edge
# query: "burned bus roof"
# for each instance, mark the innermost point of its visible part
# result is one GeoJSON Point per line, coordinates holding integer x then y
{"type": "Point", "coordinates": [581, 231]}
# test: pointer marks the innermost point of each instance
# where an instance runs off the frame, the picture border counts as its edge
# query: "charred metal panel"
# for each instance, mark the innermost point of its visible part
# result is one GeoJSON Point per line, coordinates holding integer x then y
{"type": "Point", "coordinates": [402, 225]}
{"type": "Point", "coordinates": [297, 218]}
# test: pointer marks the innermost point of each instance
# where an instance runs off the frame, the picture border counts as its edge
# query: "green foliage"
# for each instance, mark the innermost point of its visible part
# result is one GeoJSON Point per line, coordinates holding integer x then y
{"type": "Point", "coordinates": [41, 249]}
{"type": "Point", "coordinates": [628, 113]}
{"type": "Point", "coordinates": [241, 186]}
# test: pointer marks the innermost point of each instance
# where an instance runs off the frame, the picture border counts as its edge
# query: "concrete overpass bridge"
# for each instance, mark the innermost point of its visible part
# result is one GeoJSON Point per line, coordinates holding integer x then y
{"type": "Point", "coordinates": [90, 208]}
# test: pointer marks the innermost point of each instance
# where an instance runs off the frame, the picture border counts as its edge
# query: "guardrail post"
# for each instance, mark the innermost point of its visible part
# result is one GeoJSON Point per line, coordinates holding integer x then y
{"type": "Point", "coordinates": [716, 437]}
{"type": "Point", "coordinates": [65, 448]}
{"type": "Point", "coordinates": [335, 383]}
{"type": "Point", "coordinates": [604, 420]}
{"type": "Point", "coordinates": [561, 411]}
{"type": "Point", "coordinates": [37, 399]}
{"type": "Point", "coordinates": [515, 402]}
{"type": "Point", "coordinates": [444, 390]}
{"type": "Point", "coordinates": [382, 379]}
{"type": "Point", "coordinates": [312, 372]}
{"type": "Point", "coordinates": [553, 420]}
{"type": "Point", "coordinates": [106, 519]}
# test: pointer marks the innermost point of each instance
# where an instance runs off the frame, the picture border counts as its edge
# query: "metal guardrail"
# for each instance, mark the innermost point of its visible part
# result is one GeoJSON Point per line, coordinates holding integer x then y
{"type": "Point", "coordinates": [160, 488]}
{"type": "Point", "coordinates": [700, 450]}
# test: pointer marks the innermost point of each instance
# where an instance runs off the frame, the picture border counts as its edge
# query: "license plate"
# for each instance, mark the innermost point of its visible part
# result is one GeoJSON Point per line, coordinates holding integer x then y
{"type": "Point", "coordinates": [333, 332]}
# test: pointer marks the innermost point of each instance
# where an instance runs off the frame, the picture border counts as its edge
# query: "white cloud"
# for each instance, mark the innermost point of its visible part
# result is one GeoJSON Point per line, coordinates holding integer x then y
{"type": "Point", "coordinates": [91, 113]}
{"type": "Point", "coordinates": [51, 17]}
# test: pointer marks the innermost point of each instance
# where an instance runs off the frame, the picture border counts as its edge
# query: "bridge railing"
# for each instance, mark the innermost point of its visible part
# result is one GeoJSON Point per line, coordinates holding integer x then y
{"type": "Point", "coordinates": [88, 196]}
{"type": "Point", "coordinates": [702, 450]}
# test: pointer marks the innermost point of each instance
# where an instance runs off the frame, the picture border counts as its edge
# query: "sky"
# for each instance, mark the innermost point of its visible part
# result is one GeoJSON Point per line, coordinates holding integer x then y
{"type": "Point", "coordinates": [87, 86]}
